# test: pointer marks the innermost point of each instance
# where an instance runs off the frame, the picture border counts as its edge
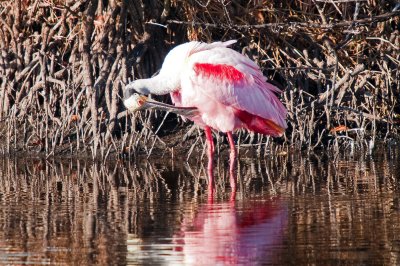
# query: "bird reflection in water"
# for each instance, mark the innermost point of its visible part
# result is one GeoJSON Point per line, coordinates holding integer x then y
{"type": "Point", "coordinates": [230, 234]}
{"type": "Point", "coordinates": [226, 229]}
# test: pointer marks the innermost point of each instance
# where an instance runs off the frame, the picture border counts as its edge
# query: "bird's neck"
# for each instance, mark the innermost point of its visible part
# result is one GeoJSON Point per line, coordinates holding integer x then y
{"type": "Point", "coordinates": [160, 85]}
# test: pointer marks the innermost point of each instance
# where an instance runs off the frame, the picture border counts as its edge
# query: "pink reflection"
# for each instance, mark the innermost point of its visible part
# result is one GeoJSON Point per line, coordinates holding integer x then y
{"type": "Point", "coordinates": [229, 234]}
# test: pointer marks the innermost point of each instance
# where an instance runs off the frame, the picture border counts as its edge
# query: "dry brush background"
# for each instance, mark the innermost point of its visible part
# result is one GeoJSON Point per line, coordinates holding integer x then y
{"type": "Point", "coordinates": [63, 66]}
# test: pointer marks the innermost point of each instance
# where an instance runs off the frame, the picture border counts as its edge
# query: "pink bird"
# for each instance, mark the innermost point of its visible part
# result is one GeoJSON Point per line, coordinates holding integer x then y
{"type": "Point", "coordinates": [227, 88]}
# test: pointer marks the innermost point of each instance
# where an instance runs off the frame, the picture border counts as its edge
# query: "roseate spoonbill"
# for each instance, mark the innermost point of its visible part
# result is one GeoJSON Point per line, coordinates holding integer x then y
{"type": "Point", "coordinates": [227, 88]}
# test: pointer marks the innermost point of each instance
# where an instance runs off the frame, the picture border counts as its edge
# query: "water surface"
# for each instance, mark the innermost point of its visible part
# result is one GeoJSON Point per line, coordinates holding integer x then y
{"type": "Point", "coordinates": [290, 209]}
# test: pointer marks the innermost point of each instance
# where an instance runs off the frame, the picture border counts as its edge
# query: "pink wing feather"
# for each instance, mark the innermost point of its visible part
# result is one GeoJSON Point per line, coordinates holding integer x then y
{"type": "Point", "coordinates": [231, 79]}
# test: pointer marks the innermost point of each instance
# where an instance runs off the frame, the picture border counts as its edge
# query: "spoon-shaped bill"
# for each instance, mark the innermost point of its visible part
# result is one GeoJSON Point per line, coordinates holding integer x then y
{"type": "Point", "coordinates": [140, 102]}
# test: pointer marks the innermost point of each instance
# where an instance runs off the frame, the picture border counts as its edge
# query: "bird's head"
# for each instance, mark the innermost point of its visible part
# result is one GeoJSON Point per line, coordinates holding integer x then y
{"type": "Point", "coordinates": [137, 86]}
{"type": "Point", "coordinates": [134, 101]}
{"type": "Point", "coordinates": [134, 95]}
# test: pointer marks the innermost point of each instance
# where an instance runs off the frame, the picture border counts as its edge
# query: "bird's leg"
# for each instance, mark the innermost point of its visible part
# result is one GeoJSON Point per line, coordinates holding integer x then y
{"type": "Point", "coordinates": [210, 166]}
{"type": "Point", "coordinates": [232, 161]}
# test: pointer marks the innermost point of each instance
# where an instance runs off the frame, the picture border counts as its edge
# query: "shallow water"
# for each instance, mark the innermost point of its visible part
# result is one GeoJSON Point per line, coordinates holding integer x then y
{"type": "Point", "coordinates": [290, 209]}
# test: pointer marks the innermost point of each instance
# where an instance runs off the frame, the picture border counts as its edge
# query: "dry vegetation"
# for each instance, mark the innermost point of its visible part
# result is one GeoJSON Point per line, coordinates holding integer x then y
{"type": "Point", "coordinates": [63, 66]}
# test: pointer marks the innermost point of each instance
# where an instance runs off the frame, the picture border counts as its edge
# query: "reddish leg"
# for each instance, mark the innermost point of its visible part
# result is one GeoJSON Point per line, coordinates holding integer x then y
{"type": "Point", "coordinates": [232, 162]}
{"type": "Point", "coordinates": [210, 166]}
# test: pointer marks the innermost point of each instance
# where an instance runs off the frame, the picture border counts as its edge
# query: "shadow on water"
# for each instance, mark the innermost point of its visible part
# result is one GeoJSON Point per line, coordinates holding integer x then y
{"type": "Point", "coordinates": [293, 209]}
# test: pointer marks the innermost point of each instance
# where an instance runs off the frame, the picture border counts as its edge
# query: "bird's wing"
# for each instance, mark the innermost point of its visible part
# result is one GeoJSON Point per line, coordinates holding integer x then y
{"type": "Point", "coordinates": [235, 81]}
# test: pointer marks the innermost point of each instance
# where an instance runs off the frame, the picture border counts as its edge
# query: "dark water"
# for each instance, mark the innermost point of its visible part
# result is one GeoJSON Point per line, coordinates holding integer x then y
{"type": "Point", "coordinates": [304, 210]}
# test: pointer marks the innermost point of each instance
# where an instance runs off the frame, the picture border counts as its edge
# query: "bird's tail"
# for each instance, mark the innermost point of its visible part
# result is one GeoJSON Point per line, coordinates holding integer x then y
{"type": "Point", "coordinates": [274, 129]}
{"type": "Point", "coordinates": [259, 124]}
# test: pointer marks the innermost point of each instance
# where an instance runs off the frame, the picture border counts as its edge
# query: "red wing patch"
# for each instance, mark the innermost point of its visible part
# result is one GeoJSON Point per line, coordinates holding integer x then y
{"type": "Point", "coordinates": [221, 71]}
{"type": "Point", "coordinates": [258, 124]}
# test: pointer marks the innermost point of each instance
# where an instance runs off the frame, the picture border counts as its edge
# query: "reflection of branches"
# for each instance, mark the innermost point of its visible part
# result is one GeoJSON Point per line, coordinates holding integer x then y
{"type": "Point", "coordinates": [43, 201]}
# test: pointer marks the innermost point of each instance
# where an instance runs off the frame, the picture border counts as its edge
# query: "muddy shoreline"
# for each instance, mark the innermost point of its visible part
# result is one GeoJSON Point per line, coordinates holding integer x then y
{"type": "Point", "coordinates": [188, 144]}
